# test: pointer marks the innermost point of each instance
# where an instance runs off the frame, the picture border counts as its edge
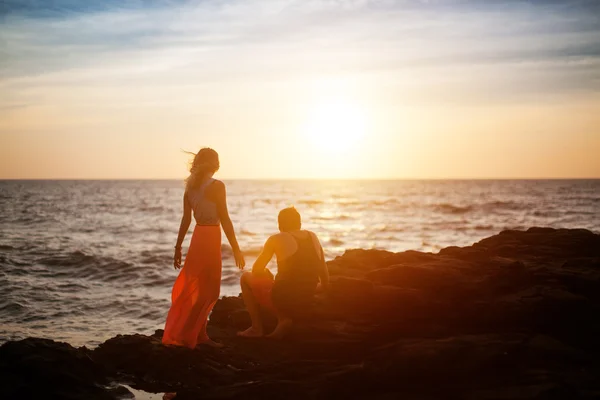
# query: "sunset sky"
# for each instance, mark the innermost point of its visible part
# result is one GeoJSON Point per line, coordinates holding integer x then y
{"type": "Point", "coordinates": [300, 89]}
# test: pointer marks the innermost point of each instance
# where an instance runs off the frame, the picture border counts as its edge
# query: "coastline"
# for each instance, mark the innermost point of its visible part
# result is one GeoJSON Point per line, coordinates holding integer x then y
{"type": "Point", "coordinates": [514, 316]}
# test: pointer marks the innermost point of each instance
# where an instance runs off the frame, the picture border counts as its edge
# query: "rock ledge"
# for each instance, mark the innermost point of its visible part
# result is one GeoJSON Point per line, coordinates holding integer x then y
{"type": "Point", "coordinates": [515, 316]}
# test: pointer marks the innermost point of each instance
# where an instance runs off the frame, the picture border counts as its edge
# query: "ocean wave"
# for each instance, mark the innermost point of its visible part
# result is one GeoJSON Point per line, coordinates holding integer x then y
{"type": "Point", "coordinates": [75, 258]}
{"type": "Point", "coordinates": [71, 287]}
{"type": "Point", "coordinates": [461, 227]}
{"type": "Point", "coordinates": [256, 203]}
{"type": "Point", "coordinates": [158, 281]}
{"type": "Point", "coordinates": [230, 280]}
{"type": "Point", "coordinates": [80, 265]}
{"type": "Point", "coordinates": [153, 209]}
{"type": "Point", "coordinates": [388, 238]}
{"type": "Point", "coordinates": [227, 252]}
{"type": "Point", "coordinates": [253, 251]}
{"type": "Point", "coordinates": [547, 213]}
{"type": "Point", "coordinates": [342, 217]}
{"type": "Point", "coordinates": [153, 315]}
{"type": "Point", "coordinates": [358, 206]}
{"type": "Point", "coordinates": [335, 242]}
{"type": "Point", "coordinates": [17, 262]}
{"type": "Point", "coordinates": [34, 219]}
{"type": "Point", "coordinates": [310, 202]}
{"type": "Point", "coordinates": [12, 307]}
{"type": "Point", "coordinates": [390, 228]}
{"type": "Point", "coordinates": [385, 202]}
{"type": "Point", "coordinates": [157, 259]}
{"type": "Point", "coordinates": [34, 318]}
{"type": "Point", "coordinates": [393, 204]}
{"type": "Point", "coordinates": [501, 205]}
{"type": "Point", "coordinates": [492, 206]}
{"type": "Point", "coordinates": [447, 208]}
{"type": "Point", "coordinates": [70, 312]}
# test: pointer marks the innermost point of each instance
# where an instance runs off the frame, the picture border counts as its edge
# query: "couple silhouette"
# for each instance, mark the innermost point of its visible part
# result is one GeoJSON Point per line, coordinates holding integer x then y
{"type": "Point", "coordinates": [301, 266]}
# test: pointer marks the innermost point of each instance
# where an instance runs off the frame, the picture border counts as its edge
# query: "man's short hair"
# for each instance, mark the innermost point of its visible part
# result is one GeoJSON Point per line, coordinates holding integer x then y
{"type": "Point", "coordinates": [289, 219]}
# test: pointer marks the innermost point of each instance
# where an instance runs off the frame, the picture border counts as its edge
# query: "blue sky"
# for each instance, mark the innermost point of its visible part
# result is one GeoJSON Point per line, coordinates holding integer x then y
{"type": "Point", "coordinates": [541, 47]}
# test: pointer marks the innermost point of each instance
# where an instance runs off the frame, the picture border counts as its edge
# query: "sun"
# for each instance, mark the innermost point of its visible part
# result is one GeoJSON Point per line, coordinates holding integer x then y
{"type": "Point", "coordinates": [336, 126]}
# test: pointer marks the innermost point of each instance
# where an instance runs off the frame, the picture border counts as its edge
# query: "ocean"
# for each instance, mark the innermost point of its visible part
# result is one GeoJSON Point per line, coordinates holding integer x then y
{"type": "Point", "coordinates": [82, 261]}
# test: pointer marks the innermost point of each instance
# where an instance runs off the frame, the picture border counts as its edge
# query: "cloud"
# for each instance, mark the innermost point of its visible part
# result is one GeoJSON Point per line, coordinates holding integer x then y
{"type": "Point", "coordinates": [71, 43]}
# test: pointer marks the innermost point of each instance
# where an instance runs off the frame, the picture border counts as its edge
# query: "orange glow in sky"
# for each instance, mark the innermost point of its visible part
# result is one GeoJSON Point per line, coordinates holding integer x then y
{"type": "Point", "coordinates": [301, 90]}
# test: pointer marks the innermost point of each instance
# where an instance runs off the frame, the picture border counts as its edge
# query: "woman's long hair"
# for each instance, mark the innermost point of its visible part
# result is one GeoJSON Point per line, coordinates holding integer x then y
{"type": "Point", "coordinates": [206, 161]}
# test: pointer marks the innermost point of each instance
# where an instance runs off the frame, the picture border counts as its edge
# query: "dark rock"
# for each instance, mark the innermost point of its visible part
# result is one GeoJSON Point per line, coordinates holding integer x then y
{"type": "Point", "coordinates": [429, 276]}
{"type": "Point", "coordinates": [409, 257]}
{"type": "Point", "coordinates": [543, 242]}
{"type": "Point", "coordinates": [355, 261]}
{"type": "Point", "coordinates": [225, 308]}
{"type": "Point", "coordinates": [39, 368]}
{"type": "Point", "coordinates": [514, 316]}
{"type": "Point", "coordinates": [349, 290]}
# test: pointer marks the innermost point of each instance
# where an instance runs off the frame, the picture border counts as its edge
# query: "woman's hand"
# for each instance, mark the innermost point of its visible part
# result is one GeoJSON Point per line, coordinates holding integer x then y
{"type": "Point", "coordinates": [239, 259]}
{"type": "Point", "coordinates": [177, 258]}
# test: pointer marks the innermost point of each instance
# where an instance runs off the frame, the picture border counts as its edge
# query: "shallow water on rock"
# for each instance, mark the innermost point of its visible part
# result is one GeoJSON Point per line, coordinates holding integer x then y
{"type": "Point", "coordinates": [141, 395]}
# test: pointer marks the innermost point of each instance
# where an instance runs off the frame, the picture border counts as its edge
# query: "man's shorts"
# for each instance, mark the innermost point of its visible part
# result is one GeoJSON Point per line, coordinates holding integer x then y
{"type": "Point", "coordinates": [262, 288]}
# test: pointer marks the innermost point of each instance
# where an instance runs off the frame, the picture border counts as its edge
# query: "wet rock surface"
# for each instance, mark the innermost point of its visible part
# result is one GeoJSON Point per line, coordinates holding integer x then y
{"type": "Point", "coordinates": [515, 316]}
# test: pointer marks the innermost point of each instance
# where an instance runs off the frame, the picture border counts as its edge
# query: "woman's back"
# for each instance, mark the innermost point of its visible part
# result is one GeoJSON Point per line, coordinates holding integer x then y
{"type": "Point", "coordinates": [204, 207]}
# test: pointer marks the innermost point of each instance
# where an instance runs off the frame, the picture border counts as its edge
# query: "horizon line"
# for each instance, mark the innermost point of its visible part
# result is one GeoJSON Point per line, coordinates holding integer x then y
{"type": "Point", "coordinates": [319, 179]}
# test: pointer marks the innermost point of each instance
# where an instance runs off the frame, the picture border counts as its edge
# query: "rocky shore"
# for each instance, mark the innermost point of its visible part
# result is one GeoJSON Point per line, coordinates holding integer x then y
{"type": "Point", "coordinates": [515, 316]}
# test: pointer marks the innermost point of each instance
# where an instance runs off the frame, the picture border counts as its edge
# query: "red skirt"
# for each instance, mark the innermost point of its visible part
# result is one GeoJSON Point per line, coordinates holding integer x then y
{"type": "Point", "coordinates": [196, 289]}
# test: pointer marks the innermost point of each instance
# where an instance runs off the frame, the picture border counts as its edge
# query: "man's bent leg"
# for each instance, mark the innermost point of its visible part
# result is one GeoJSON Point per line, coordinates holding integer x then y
{"type": "Point", "coordinates": [284, 320]}
{"type": "Point", "coordinates": [283, 328]}
{"type": "Point", "coordinates": [256, 330]}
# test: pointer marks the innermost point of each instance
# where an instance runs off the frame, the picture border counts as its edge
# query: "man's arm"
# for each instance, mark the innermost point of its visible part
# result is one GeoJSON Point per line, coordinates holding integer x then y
{"type": "Point", "coordinates": [264, 257]}
{"type": "Point", "coordinates": [323, 271]}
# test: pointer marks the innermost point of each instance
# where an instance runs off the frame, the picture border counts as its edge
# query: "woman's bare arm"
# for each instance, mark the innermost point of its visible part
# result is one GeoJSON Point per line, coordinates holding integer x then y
{"type": "Point", "coordinates": [186, 220]}
{"type": "Point", "coordinates": [221, 201]}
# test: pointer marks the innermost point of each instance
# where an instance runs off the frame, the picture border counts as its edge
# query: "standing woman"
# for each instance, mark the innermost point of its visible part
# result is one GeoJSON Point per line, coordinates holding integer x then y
{"type": "Point", "coordinates": [197, 287]}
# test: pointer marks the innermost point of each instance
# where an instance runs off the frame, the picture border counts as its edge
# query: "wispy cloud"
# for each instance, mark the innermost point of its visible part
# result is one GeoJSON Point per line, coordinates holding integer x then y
{"type": "Point", "coordinates": [539, 46]}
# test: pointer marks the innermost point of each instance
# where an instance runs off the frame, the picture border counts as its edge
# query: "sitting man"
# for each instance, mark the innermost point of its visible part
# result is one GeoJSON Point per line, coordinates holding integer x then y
{"type": "Point", "coordinates": [300, 264]}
